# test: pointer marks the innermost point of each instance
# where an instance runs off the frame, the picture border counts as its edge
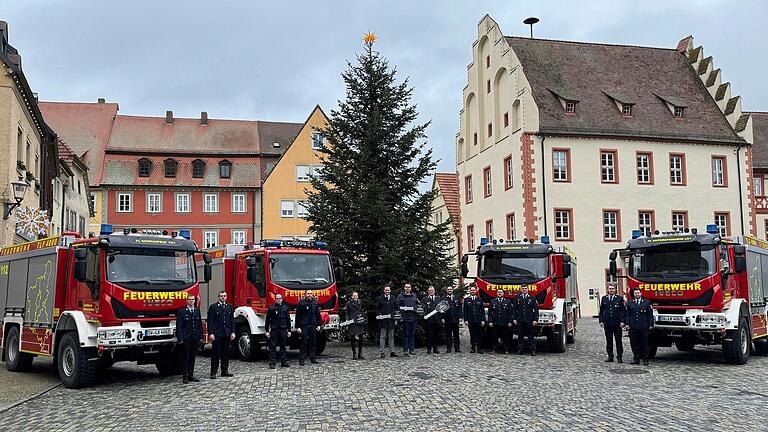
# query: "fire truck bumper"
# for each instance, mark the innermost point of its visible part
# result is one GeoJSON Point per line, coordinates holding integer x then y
{"type": "Point", "coordinates": [692, 320]}
{"type": "Point", "coordinates": [132, 334]}
{"type": "Point", "coordinates": [333, 323]}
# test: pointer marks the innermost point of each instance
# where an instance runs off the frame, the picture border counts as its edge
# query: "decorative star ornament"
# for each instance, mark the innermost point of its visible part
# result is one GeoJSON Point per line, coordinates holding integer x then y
{"type": "Point", "coordinates": [369, 38]}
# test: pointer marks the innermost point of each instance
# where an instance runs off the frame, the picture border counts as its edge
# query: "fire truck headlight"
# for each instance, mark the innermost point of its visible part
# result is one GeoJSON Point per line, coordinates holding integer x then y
{"type": "Point", "coordinates": [712, 319]}
{"type": "Point", "coordinates": [114, 334]}
{"type": "Point", "coordinates": [546, 317]}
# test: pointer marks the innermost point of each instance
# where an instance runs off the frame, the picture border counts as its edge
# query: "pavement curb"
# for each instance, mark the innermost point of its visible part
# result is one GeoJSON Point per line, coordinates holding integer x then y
{"type": "Point", "coordinates": [34, 396]}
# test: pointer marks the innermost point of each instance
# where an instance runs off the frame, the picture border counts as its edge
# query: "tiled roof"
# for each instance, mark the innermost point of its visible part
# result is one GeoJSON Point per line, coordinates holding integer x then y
{"type": "Point", "coordinates": [591, 72]}
{"type": "Point", "coordinates": [449, 187]}
{"type": "Point", "coordinates": [760, 139]}
{"type": "Point", "coordinates": [65, 153]}
{"type": "Point", "coordinates": [85, 127]}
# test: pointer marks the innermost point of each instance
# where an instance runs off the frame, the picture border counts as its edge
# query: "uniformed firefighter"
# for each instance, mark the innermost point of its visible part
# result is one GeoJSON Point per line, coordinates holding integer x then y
{"type": "Point", "coordinates": [278, 327]}
{"type": "Point", "coordinates": [639, 320]}
{"type": "Point", "coordinates": [221, 332]}
{"type": "Point", "coordinates": [500, 320]}
{"type": "Point", "coordinates": [474, 316]}
{"type": "Point", "coordinates": [526, 310]}
{"type": "Point", "coordinates": [308, 325]}
{"type": "Point", "coordinates": [431, 324]}
{"type": "Point", "coordinates": [611, 318]}
{"type": "Point", "coordinates": [450, 320]}
{"type": "Point", "coordinates": [189, 332]}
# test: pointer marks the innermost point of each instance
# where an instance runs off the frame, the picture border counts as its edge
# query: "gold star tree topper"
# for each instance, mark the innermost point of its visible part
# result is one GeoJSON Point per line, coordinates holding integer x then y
{"type": "Point", "coordinates": [369, 38]}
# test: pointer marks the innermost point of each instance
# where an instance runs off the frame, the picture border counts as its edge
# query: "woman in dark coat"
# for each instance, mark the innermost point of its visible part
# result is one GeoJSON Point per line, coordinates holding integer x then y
{"type": "Point", "coordinates": [355, 331]}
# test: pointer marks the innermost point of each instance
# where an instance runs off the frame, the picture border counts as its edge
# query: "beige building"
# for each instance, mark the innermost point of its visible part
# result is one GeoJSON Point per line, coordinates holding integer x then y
{"type": "Point", "coordinates": [71, 195]}
{"type": "Point", "coordinates": [445, 206]}
{"type": "Point", "coordinates": [585, 142]}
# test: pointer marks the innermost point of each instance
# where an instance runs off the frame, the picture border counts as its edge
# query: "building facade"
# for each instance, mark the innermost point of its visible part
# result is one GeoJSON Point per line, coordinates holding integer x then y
{"type": "Point", "coordinates": [759, 122]}
{"type": "Point", "coordinates": [585, 142]}
{"type": "Point", "coordinates": [445, 206]}
{"type": "Point", "coordinates": [72, 205]}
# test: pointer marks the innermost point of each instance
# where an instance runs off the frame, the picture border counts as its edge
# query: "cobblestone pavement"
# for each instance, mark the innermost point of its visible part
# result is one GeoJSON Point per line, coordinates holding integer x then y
{"type": "Point", "coordinates": [575, 391]}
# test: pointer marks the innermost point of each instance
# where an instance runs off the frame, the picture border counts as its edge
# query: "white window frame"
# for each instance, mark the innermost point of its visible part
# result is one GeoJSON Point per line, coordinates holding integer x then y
{"type": "Point", "coordinates": [236, 208]}
{"type": "Point", "coordinates": [301, 209]}
{"type": "Point", "coordinates": [318, 140]}
{"type": "Point", "coordinates": [757, 186]}
{"type": "Point", "coordinates": [208, 235]}
{"type": "Point", "coordinates": [286, 212]}
{"type": "Point", "coordinates": [570, 107]}
{"type": "Point", "coordinates": [150, 196]}
{"type": "Point", "coordinates": [303, 173]}
{"type": "Point", "coordinates": [718, 173]}
{"type": "Point", "coordinates": [489, 230]}
{"type": "Point", "coordinates": [676, 169]}
{"type": "Point", "coordinates": [560, 165]}
{"type": "Point", "coordinates": [511, 226]}
{"type": "Point", "coordinates": [610, 225]}
{"type": "Point", "coordinates": [643, 161]}
{"type": "Point", "coordinates": [562, 225]}
{"type": "Point", "coordinates": [608, 166]}
{"type": "Point", "coordinates": [487, 182]}
{"type": "Point", "coordinates": [129, 197]}
{"type": "Point", "coordinates": [681, 225]}
{"type": "Point", "coordinates": [626, 109]}
{"type": "Point", "coordinates": [645, 222]}
{"type": "Point", "coordinates": [239, 233]}
{"type": "Point", "coordinates": [188, 203]}
{"type": "Point", "coordinates": [510, 178]}
{"type": "Point", "coordinates": [723, 228]}
{"type": "Point", "coordinates": [215, 207]}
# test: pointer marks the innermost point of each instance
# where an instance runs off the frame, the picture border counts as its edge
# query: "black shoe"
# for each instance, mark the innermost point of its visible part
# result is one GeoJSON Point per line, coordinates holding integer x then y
{"type": "Point", "coordinates": [620, 360]}
{"type": "Point", "coordinates": [533, 353]}
{"type": "Point", "coordinates": [360, 357]}
{"type": "Point", "coordinates": [635, 362]}
{"type": "Point", "coordinates": [472, 350]}
{"type": "Point", "coordinates": [412, 352]}
{"type": "Point", "coordinates": [227, 374]}
{"type": "Point", "coordinates": [392, 354]}
{"type": "Point", "coordinates": [458, 351]}
{"type": "Point", "coordinates": [284, 365]}
{"type": "Point", "coordinates": [213, 376]}
{"type": "Point", "coordinates": [271, 365]}
{"type": "Point", "coordinates": [519, 353]}
{"type": "Point", "coordinates": [609, 360]}
{"type": "Point", "coordinates": [194, 379]}
{"type": "Point", "coordinates": [185, 380]}
{"type": "Point", "coordinates": [313, 361]}
{"type": "Point", "coordinates": [382, 355]}
{"type": "Point", "coordinates": [354, 355]}
{"type": "Point", "coordinates": [301, 363]}
{"type": "Point", "coordinates": [448, 350]}
{"type": "Point", "coordinates": [645, 362]}
{"type": "Point", "coordinates": [429, 350]}
{"type": "Point", "coordinates": [436, 351]}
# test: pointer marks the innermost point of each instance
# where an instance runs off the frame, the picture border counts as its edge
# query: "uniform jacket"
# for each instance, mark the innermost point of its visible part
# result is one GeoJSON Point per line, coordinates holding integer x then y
{"type": "Point", "coordinates": [308, 314]}
{"type": "Point", "coordinates": [500, 312]}
{"type": "Point", "coordinates": [353, 309]}
{"type": "Point", "coordinates": [474, 311]}
{"type": "Point", "coordinates": [221, 321]}
{"type": "Point", "coordinates": [639, 316]}
{"type": "Point", "coordinates": [408, 300]}
{"type": "Point", "coordinates": [278, 318]}
{"type": "Point", "coordinates": [386, 307]}
{"type": "Point", "coordinates": [189, 325]}
{"type": "Point", "coordinates": [526, 309]}
{"type": "Point", "coordinates": [429, 306]}
{"type": "Point", "coordinates": [612, 311]}
{"type": "Point", "coordinates": [452, 315]}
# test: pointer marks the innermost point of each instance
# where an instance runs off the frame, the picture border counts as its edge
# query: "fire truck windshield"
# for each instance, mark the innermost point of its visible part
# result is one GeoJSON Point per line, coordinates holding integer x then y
{"type": "Point", "coordinates": [300, 270]}
{"type": "Point", "coordinates": [150, 269]}
{"type": "Point", "coordinates": [683, 262]}
{"type": "Point", "coordinates": [519, 268]}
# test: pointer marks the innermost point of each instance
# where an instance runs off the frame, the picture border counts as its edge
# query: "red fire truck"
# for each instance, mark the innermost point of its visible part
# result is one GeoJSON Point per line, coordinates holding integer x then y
{"type": "Point", "coordinates": [550, 274]}
{"type": "Point", "coordinates": [253, 275]}
{"type": "Point", "coordinates": [91, 302]}
{"type": "Point", "coordinates": [705, 289]}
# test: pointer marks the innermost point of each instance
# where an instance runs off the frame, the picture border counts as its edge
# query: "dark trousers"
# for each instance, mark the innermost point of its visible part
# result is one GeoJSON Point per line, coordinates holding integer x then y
{"type": "Point", "coordinates": [638, 339]}
{"type": "Point", "coordinates": [357, 344]}
{"type": "Point", "coordinates": [409, 335]}
{"type": "Point", "coordinates": [501, 332]}
{"type": "Point", "coordinates": [308, 341]}
{"type": "Point", "coordinates": [525, 329]}
{"type": "Point", "coordinates": [277, 338]}
{"type": "Point", "coordinates": [189, 353]}
{"type": "Point", "coordinates": [452, 336]}
{"type": "Point", "coordinates": [613, 332]}
{"type": "Point", "coordinates": [220, 352]}
{"type": "Point", "coordinates": [433, 335]}
{"type": "Point", "coordinates": [476, 335]}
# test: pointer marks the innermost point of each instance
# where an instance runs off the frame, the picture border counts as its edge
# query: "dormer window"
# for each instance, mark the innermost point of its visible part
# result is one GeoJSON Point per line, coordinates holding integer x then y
{"type": "Point", "coordinates": [570, 107]}
{"type": "Point", "coordinates": [225, 169]}
{"type": "Point", "coordinates": [170, 167]}
{"type": "Point", "coordinates": [198, 168]}
{"type": "Point", "coordinates": [145, 167]}
{"type": "Point", "coordinates": [318, 139]}
{"type": "Point", "coordinates": [626, 110]}
{"type": "Point", "coordinates": [679, 112]}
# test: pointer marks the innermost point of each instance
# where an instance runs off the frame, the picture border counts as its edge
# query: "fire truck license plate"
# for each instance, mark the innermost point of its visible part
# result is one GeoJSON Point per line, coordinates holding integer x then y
{"type": "Point", "coordinates": [158, 332]}
{"type": "Point", "coordinates": [668, 318]}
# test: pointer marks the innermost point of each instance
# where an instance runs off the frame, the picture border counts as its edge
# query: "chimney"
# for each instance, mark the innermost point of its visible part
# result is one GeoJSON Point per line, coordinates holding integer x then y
{"type": "Point", "coordinates": [101, 100]}
{"type": "Point", "coordinates": [204, 118]}
{"type": "Point", "coordinates": [169, 117]}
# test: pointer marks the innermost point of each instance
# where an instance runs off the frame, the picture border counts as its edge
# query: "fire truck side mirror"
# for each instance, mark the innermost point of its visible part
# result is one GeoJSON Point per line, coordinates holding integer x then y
{"type": "Point", "coordinates": [207, 258]}
{"type": "Point", "coordinates": [207, 272]}
{"type": "Point", "coordinates": [740, 258]}
{"type": "Point", "coordinates": [339, 273]}
{"type": "Point", "coordinates": [566, 267]}
{"type": "Point", "coordinates": [612, 270]}
{"type": "Point", "coordinates": [465, 259]}
{"type": "Point", "coordinates": [464, 269]}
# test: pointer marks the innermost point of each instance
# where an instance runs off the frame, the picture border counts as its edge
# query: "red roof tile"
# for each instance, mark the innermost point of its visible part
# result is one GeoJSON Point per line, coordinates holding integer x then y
{"type": "Point", "coordinates": [449, 187]}
{"type": "Point", "coordinates": [760, 139]}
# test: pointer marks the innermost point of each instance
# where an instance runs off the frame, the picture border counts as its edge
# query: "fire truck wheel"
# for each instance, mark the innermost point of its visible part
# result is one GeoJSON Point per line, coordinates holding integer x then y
{"type": "Point", "coordinates": [76, 369]}
{"type": "Point", "coordinates": [558, 339]}
{"type": "Point", "coordinates": [652, 350]}
{"type": "Point", "coordinates": [15, 360]}
{"type": "Point", "coordinates": [247, 346]}
{"type": "Point", "coordinates": [761, 347]}
{"type": "Point", "coordinates": [736, 344]}
{"type": "Point", "coordinates": [572, 335]}
{"type": "Point", "coordinates": [322, 340]}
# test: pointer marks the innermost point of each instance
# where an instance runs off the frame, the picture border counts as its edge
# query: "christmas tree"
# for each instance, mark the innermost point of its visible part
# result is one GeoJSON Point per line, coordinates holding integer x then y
{"type": "Point", "coordinates": [366, 201]}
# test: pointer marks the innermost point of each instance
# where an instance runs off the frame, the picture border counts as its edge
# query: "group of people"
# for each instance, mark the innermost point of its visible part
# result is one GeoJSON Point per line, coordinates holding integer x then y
{"type": "Point", "coordinates": [635, 315]}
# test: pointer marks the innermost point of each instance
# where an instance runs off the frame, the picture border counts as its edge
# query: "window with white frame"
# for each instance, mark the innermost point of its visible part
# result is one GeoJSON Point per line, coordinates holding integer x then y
{"type": "Point", "coordinates": [757, 185]}
{"type": "Point", "coordinates": [718, 171]}
{"type": "Point", "coordinates": [182, 203]}
{"type": "Point", "coordinates": [302, 173]}
{"type": "Point", "coordinates": [124, 202]}
{"type": "Point", "coordinates": [286, 208]}
{"type": "Point", "coordinates": [210, 203]}
{"type": "Point", "coordinates": [153, 203]}
{"type": "Point", "coordinates": [508, 173]}
{"type": "Point", "coordinates": [489, 230]}
{"type": "Point", "coordinates": [678, 221]}
{"type": "Point", "coordinates": [563, 224]}
{"type": "Point", "coordinates": [608, 166]}
{"type": "Point", "coordinates": [643, 168]}
{"type": "Point", "coordinates": [592, 293]}
{"type": "Point", "coordinates": [676, 169]}
{"type": "Point", "coordinates": [560, 165]}
{"type": "Point", "coordinates": [610, 225]}
{"type": "Point", "coordinates": [645, 222]}
{"type": "Point", "coordinates": [487, 185]}
{"type": "Point", "coordinates": [211, 238]}
{"type": "Point", "coordinates": [318, 139]}
{"type": "Point", "coordinates": [238, 203]}
{"type": "Point", "coordinates": [511, 226]}
{"type": "Point", "coordinates": [238, 237]}
{"type": "Point", "coordinates": [721, 220]}
{"type": "Point", "coordinates": [301, 209]}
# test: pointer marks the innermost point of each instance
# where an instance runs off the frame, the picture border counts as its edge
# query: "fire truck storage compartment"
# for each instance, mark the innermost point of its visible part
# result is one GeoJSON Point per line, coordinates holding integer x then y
{"type": "Point", "coordinates": [28, 282]}
{"type": "Point", "coordinates": [757, 271]}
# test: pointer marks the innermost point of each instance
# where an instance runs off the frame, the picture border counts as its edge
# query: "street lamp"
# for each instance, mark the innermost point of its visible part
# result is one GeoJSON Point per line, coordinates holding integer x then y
{"type": "Point", "coordinates": [19, 189]}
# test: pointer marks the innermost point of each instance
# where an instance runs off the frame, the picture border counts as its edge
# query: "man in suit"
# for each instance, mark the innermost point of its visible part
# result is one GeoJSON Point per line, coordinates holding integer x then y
{"type": "Point", "coordinates": [221, 331]}
{"type": "Point", "coordinates": [639, 320]}
{"type": "Point", "coordinates": [432, 324]}
{"type": "Point", "coordinates": [526, 317]}
{"type": "Point", "coordinates": [308, 324]}
{"type": "Point", "coordinates": [500, 319]}
{"type": "Point", "coordinates": [474, 316]}
{"type": "Point", "coordinates": [407, 302]}
{"type": "Point", "coordinates": [450, 320]}
{"type": "Point", "coordinates": [189, 332]}
{"type": "Point", "coordinates": [278, 330]}
{"type": "Point", "coordinates": [611, 319]}
{"type": "Point", "coordinates": [386, 304]}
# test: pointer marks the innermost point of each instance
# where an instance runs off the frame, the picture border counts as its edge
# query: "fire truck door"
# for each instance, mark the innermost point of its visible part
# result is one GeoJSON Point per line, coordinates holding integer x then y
{"type": "Point", "coordinates": [87, 293]}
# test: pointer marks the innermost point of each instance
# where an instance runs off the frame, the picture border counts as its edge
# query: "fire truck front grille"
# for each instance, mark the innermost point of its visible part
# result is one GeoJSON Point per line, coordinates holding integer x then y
{"type": "Point", "coordinates": [123, 312]}
{"type": "Point", "coordinates": [703, 300]}
{"type": "Point", "coordinates": [152, 324]}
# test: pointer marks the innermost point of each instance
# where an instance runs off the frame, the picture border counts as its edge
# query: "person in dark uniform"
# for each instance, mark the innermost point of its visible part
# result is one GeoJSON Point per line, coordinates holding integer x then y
{"type": "Point", "coordinates": [278, 327]}
{"type": "Point", "coordinates": [474, 316]}
{"type": "Point", "coordinates": [352, 309]}
{"type": "Point", "coordinates": [639, 320]}
{"type": "Point", "coordinates": [432, 324]}
{"type": "Point", "coordinates": [386, 304]}
{"type": "Point", "coordinates": [189, 332]}
{"type": "Point", "coordinates": [500, 319]}
{"type": "Point", "coordinates": [221, 332]}
{"type": "Point", "coordinates": [406, 302]}
{"type": "Point", "coordinates": [611, 319]}
{"type": "Point", "coordinates": [308, 324]}
{"type": "Point", "coordinates": [526, 317]}
{"type": "Point", "coordinates": [450, 320]}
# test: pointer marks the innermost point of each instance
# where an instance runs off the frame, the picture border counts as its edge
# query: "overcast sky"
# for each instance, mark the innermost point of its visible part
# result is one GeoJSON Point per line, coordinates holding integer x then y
{"type": "Point", "coordinates": [275, 60]}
